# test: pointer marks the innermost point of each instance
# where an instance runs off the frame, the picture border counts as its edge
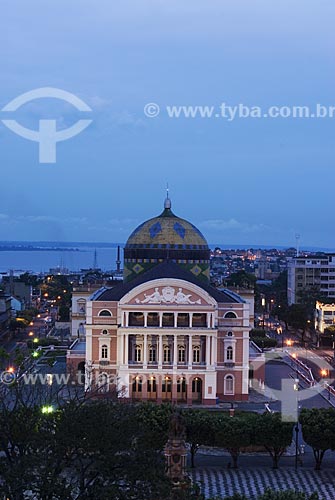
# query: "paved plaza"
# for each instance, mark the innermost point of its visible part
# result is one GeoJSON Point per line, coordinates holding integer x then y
{"type": "Point", "coordinates": [216, 481]}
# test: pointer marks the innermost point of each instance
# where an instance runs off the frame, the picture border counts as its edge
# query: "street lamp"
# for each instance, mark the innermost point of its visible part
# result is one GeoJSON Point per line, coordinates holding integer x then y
{"type": "Point", "coordinates": [47, 409]}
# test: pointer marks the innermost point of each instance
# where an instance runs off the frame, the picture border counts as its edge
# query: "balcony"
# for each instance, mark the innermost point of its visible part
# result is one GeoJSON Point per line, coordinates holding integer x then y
{"type": "Point", "coordinates": [103, 320]}
{"type": "Point", "coordinates": [104, 362]}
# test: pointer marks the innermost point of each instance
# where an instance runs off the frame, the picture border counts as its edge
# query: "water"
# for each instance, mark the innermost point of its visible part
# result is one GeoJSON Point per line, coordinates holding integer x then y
{"type": "Point", "coordinates": [42, 260]}
{"type": "Point", "coordinates": [82, 257]}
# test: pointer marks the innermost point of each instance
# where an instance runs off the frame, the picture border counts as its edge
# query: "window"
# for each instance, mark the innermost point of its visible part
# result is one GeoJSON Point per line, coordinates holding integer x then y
{"type": "Point", "coordinates": [137, 384]}
{"type": "Point", "coordinates": [138, 353]}
{"type": "Point", "coordinates": [196, 385]}
{"type": "Point", "coordinates": [181, 385]}
{"type": "Point", "coordinates": [167, 354]}
{"type": "Point", "coordinates": [105, 313]}
{"type": "Point", "coordinates": [152, 353]}
{"type": "Point", "coordinates": [104, 332]}
{"type": "Point", "coordinates": [229, 353]}
{"type": "Point", "coordinates": [196, 354]}
{"type": "Point", "coordinates": [230, 314]}
{"type": "Point", "coordinates": [181, 354]}
{"type": "Point", "coordinates": [229, 384]}
{"type": "Point", "coordinates": [151, 384]}
{"type": "Point", "coordinates": [104, 352]}
{"type": "Point", "coordinates": [230, 334]}
{"type": "Point", "coordinates": [166, 385]}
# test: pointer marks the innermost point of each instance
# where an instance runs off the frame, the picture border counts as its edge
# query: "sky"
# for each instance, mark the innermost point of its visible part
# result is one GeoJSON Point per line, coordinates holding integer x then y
{"type": "Point", "coordinates": [245, 181]}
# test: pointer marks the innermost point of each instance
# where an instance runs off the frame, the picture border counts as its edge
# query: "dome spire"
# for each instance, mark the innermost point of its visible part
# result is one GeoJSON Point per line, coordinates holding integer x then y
{"type": "Point", "coordinates": [167, 202]}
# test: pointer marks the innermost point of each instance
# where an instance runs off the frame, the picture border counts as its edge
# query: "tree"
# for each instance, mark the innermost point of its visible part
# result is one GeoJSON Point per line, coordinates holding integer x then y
{"type": "Point", "coordinates": [200, 430]}
{"type": "Point", "coordinates": [298, 317]}
{"type": "Point", "coordinates": [233, 434]}
{"type": "Point", "coordinates": [242, 279]}
{"type": "Point", "coordinates": [274, 434]}
{"type": "Point", "coordinates": [318, 430]}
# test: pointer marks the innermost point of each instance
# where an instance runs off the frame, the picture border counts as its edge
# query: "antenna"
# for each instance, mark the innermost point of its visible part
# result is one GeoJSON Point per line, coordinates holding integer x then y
{"type": "Point", "coordinates": [297, 239]}
{"type": "Point", "coordinates": [95, 260]}
{"type": "Point", "coordinates": [118, 260]}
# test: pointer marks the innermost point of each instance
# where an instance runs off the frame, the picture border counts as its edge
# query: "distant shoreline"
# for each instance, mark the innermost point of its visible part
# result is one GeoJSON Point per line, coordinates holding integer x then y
{"type": "Point", "coordinates": [37, 249]}
{"type": "Point", "coordinates": [75, 246]}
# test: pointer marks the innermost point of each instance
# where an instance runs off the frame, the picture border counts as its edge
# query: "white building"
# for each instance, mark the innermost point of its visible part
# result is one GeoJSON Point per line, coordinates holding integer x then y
{"type": "Point", "coordinates": [314, 271]}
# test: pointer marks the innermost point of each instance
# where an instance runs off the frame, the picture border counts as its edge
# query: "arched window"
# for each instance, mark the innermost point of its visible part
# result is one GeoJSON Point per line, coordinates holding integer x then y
{"type": "Point", "coordinates": [137, 384]}
{"type": "Point", "coordinates": [104, 332]}
{"type": "Point", "coordinates": [229, 353]}
{"type": "Point", "coordinates": [138, 353]}
{"type": "Point", "coordinates": [152, 354]}
{"type": "Point", "coordinates": [151, 385]}
{"type": "Point", "coordinates": [196, 354]}
{"type": "Point", "coordinates": [230, 314]}
{"type": "Point", "coordinates": [104, 312]}
{"type": "Point", "coordinates": [229, 384]}
{"type": "Point", "coordinates": [167, 354]}
{"type": "Point", "coordinates": [181, 354]}
{"type": "Point", "coordinates": [230, 334]}
{"type": "Point", "coordinates": [104, 352]}
{"type": "Point", "coordinates": [181, 385]}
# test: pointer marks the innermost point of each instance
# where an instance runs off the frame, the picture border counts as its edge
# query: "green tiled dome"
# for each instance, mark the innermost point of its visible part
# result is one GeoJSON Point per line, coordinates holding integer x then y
{"type": "Point", "coordinates": [166, 237]}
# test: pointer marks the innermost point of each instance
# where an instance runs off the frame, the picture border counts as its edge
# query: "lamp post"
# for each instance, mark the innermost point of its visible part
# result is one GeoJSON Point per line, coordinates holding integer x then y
{"type": "Point", "coordinates": [296, 428]}
{"type": "Point", "coordinates": [263, 306]}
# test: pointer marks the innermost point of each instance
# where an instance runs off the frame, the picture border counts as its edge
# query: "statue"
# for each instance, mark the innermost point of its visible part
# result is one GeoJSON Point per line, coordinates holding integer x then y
{"type": "Point", "coordinates": [176, 452]}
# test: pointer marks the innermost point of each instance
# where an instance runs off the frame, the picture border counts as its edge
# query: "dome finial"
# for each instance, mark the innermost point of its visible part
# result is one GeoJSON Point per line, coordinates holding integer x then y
{"type": "Point", "coordinates": [167, 202]}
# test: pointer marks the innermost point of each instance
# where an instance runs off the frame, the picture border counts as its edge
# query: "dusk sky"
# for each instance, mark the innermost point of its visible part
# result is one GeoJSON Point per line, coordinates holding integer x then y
{"type": "Point", "coordinates": [246, 181]}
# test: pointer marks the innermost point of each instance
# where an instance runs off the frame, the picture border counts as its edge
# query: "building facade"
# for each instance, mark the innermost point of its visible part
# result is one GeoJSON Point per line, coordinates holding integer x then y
{"type": "Point", "coordinates": [316, 272]}
{"type": "Point", "coordinates": [324, 316]}
{"type": "Point", "coordinates": [165, 334]}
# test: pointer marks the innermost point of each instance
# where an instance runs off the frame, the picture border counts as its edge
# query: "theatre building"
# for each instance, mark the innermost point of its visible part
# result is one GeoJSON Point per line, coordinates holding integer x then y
{"type": "Point", "coordinates": [165, 334]}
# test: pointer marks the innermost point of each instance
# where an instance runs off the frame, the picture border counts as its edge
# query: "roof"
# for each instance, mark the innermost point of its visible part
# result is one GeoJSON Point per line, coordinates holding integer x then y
{"type": "Point", "coordinates": [165, 270]}
{"type": "Point", "coordinates": [167, 231]}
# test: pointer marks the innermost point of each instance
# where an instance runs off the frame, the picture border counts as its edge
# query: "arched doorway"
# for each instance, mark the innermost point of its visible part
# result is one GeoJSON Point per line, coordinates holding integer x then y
{"type": "Point", "coordinates": [152, 388]}
{"type": "Point", "coordinates": [137, 388]}
{"type": "Point", "coordinates": [197, 390]}
{"type": "Point", "coordinates": [181, 389]}
{"type": "Point", "coordinates": [166, 389]}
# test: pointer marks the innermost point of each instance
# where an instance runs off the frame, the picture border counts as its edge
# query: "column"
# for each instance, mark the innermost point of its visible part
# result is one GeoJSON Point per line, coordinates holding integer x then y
{"type": "Point", "coordinates": [208, 351]}
{"type": "Point", "coordinates": [175, 317]}
{"type": "Point", "coordinates": [127, 319]}
{"type": "Point", "coordinates": [160, 352]}
{"type": "Point", "coordinates": [209, 317]}
{"type": "Point", "coordinates": [190, 351]}
{"type": "Point", "coordinates": [175, 351]}
{"type": "Point", "coordinates": [160, 320]}
{"type": "Point", "coordinates": [191, 320]}
{"type": "Point", "coordinates": [120, 361]}
{"type": "Point", "coordinates": [145, 351]}
{"type": "Point", "coordinates": [214, 350]}
{"type": "Point", "coordinates": [126, 349]}
{"type": "Point", "coordinates": [145, 319]}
